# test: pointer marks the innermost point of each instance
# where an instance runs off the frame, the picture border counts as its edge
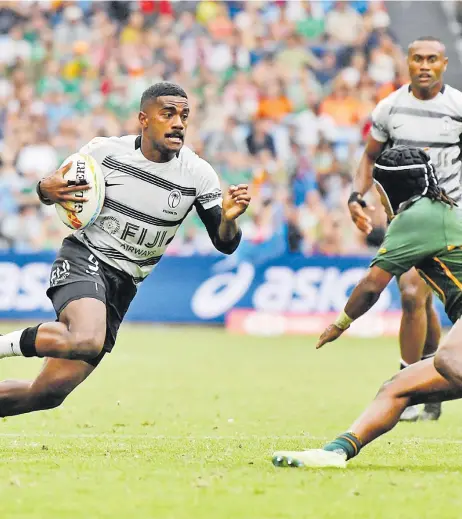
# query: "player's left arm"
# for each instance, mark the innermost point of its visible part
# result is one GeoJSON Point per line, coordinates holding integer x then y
{"type": "Point", "coordinates": [220, 218]}
{"type": "Point", "coordinates": [218, 211]}
{"type": "Point", "coordinates": [362, 299]}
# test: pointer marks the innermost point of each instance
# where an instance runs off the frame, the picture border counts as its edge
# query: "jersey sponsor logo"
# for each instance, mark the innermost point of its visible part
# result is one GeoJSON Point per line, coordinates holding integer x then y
{"type": "Point", "coordinates": [110, 224]}
{"type": "Point", "coordinates": [142, 253]}
{"type": "Point", "coordinates": [174, 198]}
{"type": "Point", "coordinates": [140, 235]}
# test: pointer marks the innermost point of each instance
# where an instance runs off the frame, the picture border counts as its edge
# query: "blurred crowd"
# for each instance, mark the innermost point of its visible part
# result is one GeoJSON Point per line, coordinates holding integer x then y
{"type": "Point", "coordinates": [281, 95]}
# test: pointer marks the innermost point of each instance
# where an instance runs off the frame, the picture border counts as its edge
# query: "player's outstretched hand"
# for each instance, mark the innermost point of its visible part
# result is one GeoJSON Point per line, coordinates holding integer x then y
{"type": "Point", "coordinates": [58, 190]}
{"type": "Point", "coordinates": [362, 221]}
{"type": "Point", "coordinates": [330, 334]}
{"type": "Point", "coordinates": [235, 201]}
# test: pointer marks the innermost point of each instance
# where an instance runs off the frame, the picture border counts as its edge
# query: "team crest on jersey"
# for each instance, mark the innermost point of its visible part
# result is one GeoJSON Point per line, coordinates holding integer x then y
{"type": "Point", "coordinates": [447, 125]}
{"type": "Point", "coordinates": [110, 224]}
{"type": "Point", "coordinates": [174, 198]}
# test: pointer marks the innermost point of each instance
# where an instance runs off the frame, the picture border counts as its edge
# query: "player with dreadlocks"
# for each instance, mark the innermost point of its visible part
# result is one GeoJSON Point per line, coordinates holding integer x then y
{"type": "Point", "coordinates": [426, 233]}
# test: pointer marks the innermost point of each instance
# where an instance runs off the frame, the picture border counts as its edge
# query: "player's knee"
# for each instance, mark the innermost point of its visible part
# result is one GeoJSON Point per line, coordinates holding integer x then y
{"type": "Point", "coordinates": [386, 389]}
{"type": "Point", "coordinates": [411, 299]}
{"type": "Point", "coordinates": [447, 364]}
{"type": "Point", "coordinates": [86, 344]}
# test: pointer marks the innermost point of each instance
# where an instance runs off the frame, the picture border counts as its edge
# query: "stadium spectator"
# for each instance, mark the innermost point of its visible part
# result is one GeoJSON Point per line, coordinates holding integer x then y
{"type": "Point", "coordinates": [281, 94]}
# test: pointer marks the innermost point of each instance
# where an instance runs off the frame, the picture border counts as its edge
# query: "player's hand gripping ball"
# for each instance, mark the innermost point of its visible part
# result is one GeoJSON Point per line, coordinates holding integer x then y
{"type": "Point", "coordinates": [78, 190]}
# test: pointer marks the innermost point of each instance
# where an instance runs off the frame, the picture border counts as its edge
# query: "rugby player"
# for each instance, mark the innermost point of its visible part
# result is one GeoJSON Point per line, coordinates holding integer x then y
{"type": "Point", "coordinates": [413, 200]}
{"type": "Point", "coordinates": [152, 183]}
{"type": "Point", "coordinates": [426, 114]}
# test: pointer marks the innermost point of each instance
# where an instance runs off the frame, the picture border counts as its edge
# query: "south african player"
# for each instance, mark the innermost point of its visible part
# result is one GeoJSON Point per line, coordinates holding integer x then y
{"type": "Point", "coordinates": [426, 233]}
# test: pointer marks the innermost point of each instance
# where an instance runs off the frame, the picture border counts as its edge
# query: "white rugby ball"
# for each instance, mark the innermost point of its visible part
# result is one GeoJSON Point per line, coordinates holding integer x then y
{"type": "Point", "coordinates": [84, 167]}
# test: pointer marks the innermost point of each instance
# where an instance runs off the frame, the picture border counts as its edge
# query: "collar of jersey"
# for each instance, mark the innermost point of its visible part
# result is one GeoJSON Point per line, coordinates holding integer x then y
{"type": "Point", "coordinates": [160, 165]}
{"type": "Point", "coordinates": [409, 89]}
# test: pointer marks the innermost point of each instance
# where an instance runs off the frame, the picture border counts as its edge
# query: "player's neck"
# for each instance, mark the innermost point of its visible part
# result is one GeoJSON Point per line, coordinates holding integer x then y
{"type": "Point", "coordinates": [154, 154]}
{"type": "Point", "coordinates": [424, 94]}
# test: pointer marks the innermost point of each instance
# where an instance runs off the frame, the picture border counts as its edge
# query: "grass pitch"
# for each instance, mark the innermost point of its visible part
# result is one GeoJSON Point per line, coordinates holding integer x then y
{"type": "Point", "coordinates": [181, 424]}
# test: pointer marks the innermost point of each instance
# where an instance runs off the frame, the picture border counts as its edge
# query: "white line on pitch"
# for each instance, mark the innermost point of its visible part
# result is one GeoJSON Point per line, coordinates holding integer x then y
{"type": "Point", "coordinates": [118, 436]}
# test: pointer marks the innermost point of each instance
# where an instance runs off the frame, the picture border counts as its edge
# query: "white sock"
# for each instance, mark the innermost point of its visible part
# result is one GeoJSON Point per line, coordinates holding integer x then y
{"type": "Point", "coordinates": [9, 344]}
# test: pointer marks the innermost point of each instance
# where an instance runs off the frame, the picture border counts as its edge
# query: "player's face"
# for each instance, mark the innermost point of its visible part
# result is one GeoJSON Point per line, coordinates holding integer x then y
{"type": "Point", "coordinates": [164, 122]}
{"type": "Point", "coordinates": [427, 63]}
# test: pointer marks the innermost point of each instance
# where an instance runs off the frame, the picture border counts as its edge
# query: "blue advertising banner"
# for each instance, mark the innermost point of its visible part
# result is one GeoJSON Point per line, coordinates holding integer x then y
{"type": "Point", "coordinates": [203, 289]}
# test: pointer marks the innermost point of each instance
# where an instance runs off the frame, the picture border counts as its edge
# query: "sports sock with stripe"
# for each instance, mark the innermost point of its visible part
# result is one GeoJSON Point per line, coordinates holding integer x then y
{"type": "Point", "coordinates": [347, 444]}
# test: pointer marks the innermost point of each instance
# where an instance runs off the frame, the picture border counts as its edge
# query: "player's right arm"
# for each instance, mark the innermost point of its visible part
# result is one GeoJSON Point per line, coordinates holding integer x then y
{"type": "Point", "coordinates": [363, 180]}
{"type": "Point", "coordinates": [404, 247]}
{"type": "Point", "coordinates": [54, 189]}
{"type": "Point", "coordinates": [362, 299]}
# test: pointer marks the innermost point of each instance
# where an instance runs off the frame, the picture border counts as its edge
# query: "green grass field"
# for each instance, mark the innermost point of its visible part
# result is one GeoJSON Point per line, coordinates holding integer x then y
{"type": "Point", "coordinates": [181, 423]}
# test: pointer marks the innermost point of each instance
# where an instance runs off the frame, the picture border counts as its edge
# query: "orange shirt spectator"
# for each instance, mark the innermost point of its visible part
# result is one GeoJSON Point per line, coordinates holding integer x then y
{"type": "Point", "coordinates": [274, 104]}
{"type": "Point", "coordinates": [343, 108]}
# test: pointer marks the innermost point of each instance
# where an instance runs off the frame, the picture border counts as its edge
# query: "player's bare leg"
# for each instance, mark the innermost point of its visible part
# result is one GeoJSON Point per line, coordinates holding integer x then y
{"type": "Point", "coordinates": [55, 381]}
{"type": "Point", "coordinates": [79, 334]}
{"type": "Point", "coordinates": [416, 300]}
{"type": "Point", "coordinates": [431, 410]}
{"type": "Point", "coordinates": [414, 322]}
{"type": "Point", "coordinates": [58, 377]}
{"type": "Point", "coordinates": [421, 382]}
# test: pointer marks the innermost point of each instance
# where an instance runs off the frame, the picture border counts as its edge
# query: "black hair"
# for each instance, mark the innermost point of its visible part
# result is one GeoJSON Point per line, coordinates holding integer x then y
{"type": "Point", "coordinates": [163, 88]}
{"type": "Point", "coordinates": [427, 38]}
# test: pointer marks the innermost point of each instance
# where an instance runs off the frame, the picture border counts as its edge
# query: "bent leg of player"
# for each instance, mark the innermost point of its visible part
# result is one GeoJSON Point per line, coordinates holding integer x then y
{"type": "Point", "coordinates": [80, 337]}
{"type": "Point", "coordinates": [58, 377]}
{"type": "Point", "coordinates": [98, 296]}
{"type": "Point", "coordinates": [420, 383]}
{"type": "Point", "coordinates": [413, 333]}
{"type": "Point", "coordinates": [56, 380]}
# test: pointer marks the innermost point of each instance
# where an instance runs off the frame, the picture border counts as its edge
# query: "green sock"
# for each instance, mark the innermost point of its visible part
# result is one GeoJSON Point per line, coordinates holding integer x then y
{"type": "Point", "coordinates": [347, 443]}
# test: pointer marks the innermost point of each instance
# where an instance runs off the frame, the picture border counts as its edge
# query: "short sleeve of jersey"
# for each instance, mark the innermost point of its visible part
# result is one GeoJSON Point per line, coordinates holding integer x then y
{"type": "Point", "coordinates": [98, 148]}
{"type": "Point", "coordinates": [380, 114]}
{"type": "Point", "coordinates": [208, 186]}
{"type": "Point", "coordinates": [395, 258]}
{"type": "Point", "coordinates": [405, 245]}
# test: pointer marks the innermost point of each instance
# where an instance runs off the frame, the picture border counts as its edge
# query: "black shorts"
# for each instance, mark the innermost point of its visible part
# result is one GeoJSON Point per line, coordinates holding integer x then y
{"type": "Point", "coordinates": [77, 273]}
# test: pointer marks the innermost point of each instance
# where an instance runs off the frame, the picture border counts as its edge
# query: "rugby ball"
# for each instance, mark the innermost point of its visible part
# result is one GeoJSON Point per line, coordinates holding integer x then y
{"type": "Point", "coordinates": [84, 168]}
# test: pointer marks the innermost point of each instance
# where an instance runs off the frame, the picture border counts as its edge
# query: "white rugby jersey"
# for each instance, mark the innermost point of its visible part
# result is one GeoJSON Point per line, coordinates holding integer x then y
{"type": "Point", "coordinates": [435, 124]}
{"type": "Point", "coordinates": [145, 202]}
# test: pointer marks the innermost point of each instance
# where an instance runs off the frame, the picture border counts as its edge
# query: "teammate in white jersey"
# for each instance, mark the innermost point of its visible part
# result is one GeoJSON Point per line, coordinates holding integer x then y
{"type": "Point", "coordinates": [152, 182]}
{"type": "Point", "coordinates": [425, 114]}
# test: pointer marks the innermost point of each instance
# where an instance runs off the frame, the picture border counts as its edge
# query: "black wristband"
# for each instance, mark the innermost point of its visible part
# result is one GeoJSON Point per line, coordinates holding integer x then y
{"type": "Point", "coordinates": [358, 198]}
{"type": "Point", "coordinates": [44, 200]}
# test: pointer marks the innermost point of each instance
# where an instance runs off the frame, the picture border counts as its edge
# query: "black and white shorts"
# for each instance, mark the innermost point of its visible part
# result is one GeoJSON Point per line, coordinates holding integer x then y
{"type": "Point", "coordinates": [77, 273]}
